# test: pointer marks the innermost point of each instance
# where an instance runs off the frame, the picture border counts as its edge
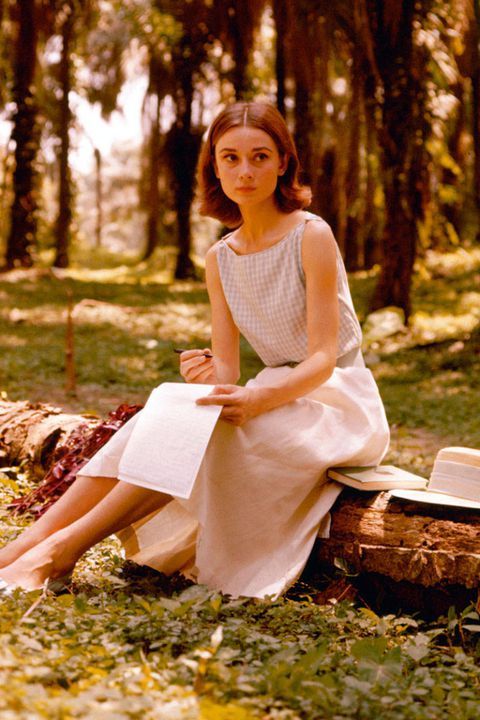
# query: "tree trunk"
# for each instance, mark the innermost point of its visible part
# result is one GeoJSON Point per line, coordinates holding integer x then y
{"type": "Point", "coordinates": [372, 248]}
{"type": "Point", "coordinates": [476, 99]}
{"type": "Point", "coordinates": [98, 197]}
{"type": "Point", "coordinates": [25, 134]}
{"type": "Point", "coordinates": [65, 191]}
{"type": "Point", "coordinates": [303, 128]}
{"type": "Point", "coordinates": [281, 27]}
{"type": "Point", "coordinates": [308, 56]}
{"type": "Point", "coordinates": [153, 189]}
{"type": "Point", "coordinates": [183, 147]}
{"type": "Point", "coordinates": [241, 34]}
{"type": "Point", "coordinates": [403, 69]}
{"type": "Point", "coordinates": [353, 248]}
{"type": "Point", "coordinates": [476, 133]}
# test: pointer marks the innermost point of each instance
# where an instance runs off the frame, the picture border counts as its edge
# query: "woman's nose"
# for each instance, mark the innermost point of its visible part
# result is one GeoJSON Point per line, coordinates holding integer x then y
{"type": "Point", "coordinates": [245, 170]}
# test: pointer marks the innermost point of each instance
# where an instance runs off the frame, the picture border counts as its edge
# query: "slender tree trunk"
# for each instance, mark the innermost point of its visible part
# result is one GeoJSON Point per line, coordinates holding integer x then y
{"type": "Point", "coordinates": [328, 191]}
{"type": "Point", "coordinates": [183, 147]}
{"type": "Point", "coordinates": [241, 47]}
{"type": "Point", "coordinates": [352, 180]}
{"type": "Point", "coordinates": [372, 246]}
{"type": "Point", "coordinates": [452, 210]}
{"type": "Point", "coordinates": [25, 134]}
{"type": "Point", "coordinates": [4, 192]}
{"type": "Point", "coordinates": [303, 128]}
{"type": "Point", "coordinates": [308, 56]}
{"type": "Point", "coordinates": [281, 37]}
{"type": "Point", "coordinates": [65, 191]}
{"type": "Point", "coordinates": [476, 102]}
{"type": "Point", "coordinates": [98, 197]}
{"type": "Point", "coordinates": [153, 189]}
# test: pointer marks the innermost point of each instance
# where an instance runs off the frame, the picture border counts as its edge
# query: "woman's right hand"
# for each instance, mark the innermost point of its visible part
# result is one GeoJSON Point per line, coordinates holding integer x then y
{"type": "Point", "coordinates": [195, 367]}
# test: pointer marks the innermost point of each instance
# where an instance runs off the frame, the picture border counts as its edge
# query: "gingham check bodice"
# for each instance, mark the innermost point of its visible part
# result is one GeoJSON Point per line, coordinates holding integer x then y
{"type": "Point", "coordinates": [266, 295]}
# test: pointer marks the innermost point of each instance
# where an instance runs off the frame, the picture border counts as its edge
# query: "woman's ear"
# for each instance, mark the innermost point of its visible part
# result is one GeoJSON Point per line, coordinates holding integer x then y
{"type": "Point", "coordinates": [282, 168]}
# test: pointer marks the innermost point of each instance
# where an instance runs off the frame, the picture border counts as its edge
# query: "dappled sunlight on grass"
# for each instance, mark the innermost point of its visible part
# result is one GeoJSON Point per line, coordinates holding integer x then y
{"type": "Point", "coordinates": [425, 328]}
{"type": "Point", "coordinates": [12, 341]}
{"type": "Point", "coordinates": [420, 392]}
{"type": "Point", "coordinates": [452, 264]}
{"type": "Point", "coordinates": [122, 274]}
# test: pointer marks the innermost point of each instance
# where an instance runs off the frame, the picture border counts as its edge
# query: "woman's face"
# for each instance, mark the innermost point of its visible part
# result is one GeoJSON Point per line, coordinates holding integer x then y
{"type": "Point", "coordinates": [248, 164]}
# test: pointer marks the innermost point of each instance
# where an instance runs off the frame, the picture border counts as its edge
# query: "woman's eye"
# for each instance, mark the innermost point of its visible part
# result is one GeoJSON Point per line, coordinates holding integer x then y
{"type": "Point", "coordinates": [261, 156]}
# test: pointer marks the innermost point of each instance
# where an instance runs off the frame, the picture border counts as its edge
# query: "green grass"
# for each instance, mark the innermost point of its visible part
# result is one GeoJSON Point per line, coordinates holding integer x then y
{"type": "Point", "coordinates": [132, 644]}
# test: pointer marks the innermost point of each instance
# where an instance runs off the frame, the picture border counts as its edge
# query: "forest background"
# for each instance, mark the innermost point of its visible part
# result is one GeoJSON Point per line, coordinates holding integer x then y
{"type": "Point", "coordinates": [382, 98]}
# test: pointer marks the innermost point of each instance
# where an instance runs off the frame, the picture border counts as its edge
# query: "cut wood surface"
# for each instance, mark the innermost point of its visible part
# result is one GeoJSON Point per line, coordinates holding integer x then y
{"type": "Point", "coordinates": [423, 544]}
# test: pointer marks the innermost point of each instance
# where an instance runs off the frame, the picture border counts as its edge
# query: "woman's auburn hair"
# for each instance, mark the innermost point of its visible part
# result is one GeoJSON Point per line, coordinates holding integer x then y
{"type": "Point", "coordinates": [290, 194]}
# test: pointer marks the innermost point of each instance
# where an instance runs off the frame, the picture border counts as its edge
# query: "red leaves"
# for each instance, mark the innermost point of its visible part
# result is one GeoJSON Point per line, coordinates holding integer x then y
{"type": "Point", "coordinates": [69, 459]}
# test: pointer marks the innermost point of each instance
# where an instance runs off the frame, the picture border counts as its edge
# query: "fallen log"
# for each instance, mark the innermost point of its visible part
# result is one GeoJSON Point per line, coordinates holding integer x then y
{"type": "Point", "coordinates": [30, 433]}
{"type": "Point", "coordinates": [405, 541]}
{"type": "Point", "coordinates": [424, 545]}
{"type": "Point", "coordinates": [54, 446]}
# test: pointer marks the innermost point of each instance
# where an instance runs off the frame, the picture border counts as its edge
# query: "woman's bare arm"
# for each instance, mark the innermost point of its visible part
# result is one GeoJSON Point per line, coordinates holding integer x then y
{"type": "Point", "coordinates": [224, 366]}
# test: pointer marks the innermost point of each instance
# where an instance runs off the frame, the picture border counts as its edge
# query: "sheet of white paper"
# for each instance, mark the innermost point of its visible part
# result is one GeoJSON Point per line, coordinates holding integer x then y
{"type": "Point", "coordinates": [168, 442]}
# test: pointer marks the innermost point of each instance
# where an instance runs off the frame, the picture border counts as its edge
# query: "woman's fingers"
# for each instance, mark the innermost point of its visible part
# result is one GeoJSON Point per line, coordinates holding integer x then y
{"type": "Point", "coordinates": [194, 365]}
{"type": "Point", "coordinates": [189, 354]}
{"type": "Point", "coordinates": [220, 395]}
{"type": "Point", "coordinates": [195, 371]}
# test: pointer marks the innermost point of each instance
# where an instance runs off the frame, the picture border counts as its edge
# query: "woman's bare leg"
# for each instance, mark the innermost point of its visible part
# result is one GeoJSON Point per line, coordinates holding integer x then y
{"type": "Point", "coordinates": [80, 497]}
{"type": "Point", "coordinates": [58, 553]}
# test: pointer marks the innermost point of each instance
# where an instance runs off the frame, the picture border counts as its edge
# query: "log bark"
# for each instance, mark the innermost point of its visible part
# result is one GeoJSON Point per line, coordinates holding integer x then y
{"type": "Point", "coordinates": [31, 432]}
{"type": "Point", "coordinates": [426, 545]}
{"type": "Point", "coordinates": [423, 544]}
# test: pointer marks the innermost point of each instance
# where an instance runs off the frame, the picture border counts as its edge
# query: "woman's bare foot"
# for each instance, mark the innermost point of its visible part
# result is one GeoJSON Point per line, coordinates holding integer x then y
{"type": "Point", "coordinates": [29, 538]}
{"type": "Point", "coordinates": [15, 549]}
{"type": "Point", "coordinates": [48, 560]}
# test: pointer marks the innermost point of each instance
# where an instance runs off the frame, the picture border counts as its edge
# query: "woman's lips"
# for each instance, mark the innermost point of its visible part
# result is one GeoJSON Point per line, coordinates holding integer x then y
{"type": "Point", "coordinates": [245, 189]}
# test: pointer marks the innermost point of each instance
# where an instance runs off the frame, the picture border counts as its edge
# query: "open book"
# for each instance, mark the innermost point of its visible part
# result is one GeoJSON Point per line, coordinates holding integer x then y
{"type": "Point", "coordinates": [169, 439]}
{"type": "Point", "coordinates": [381, 477]}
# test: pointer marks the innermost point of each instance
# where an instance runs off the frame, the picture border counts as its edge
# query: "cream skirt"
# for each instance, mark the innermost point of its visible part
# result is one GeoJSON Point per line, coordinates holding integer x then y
{"type": "Point", "coordinates": [261, 496]}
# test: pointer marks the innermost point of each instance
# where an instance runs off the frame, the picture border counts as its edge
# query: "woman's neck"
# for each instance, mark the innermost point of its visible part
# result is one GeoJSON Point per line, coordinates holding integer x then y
{"type": "Point", "coordinates": [262, 226]}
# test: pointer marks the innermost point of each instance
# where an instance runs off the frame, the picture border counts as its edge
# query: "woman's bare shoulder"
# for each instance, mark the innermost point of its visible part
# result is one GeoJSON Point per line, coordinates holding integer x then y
{"type": "Point", "coordinates": [212, 251]}
{"type": "Point", "coordinates": [318, 238]}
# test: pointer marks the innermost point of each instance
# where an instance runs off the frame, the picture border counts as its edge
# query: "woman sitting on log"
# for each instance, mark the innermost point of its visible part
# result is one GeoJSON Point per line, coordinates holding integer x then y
{"type": "Point", "coordinates": [261, 495]}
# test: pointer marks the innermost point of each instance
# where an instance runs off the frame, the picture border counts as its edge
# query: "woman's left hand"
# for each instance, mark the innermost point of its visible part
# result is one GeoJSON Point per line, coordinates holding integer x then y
{"type": "Point", "coordinates": [239, 403]}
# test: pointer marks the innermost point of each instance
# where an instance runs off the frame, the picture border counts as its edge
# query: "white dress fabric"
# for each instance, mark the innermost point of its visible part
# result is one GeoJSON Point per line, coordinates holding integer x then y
{"type": "Point", "coordinates": [261, 496]}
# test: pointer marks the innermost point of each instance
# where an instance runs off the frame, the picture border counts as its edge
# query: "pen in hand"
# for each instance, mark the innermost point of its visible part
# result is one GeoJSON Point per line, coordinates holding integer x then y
{"type": "Point", "coordinates": [181, 350]}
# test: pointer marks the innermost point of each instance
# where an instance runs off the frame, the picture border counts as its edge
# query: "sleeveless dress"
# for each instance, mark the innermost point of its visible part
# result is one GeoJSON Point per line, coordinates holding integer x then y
{"type": "Point", "coordinates": [261, 496]}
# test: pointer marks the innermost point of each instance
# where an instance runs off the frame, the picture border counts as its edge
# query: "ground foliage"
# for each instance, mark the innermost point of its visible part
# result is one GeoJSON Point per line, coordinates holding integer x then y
{"type": "Point", "coordinates": [122, 647]}
{"type": "Point", "coordinates": [130, 643]}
